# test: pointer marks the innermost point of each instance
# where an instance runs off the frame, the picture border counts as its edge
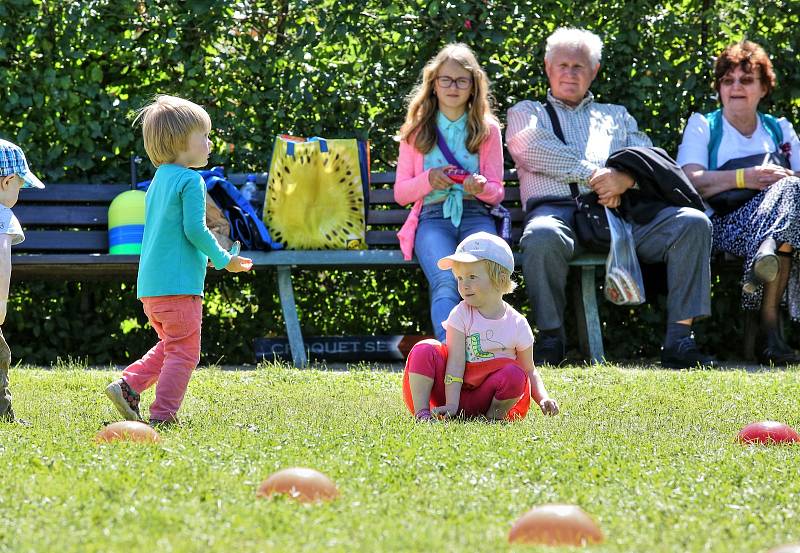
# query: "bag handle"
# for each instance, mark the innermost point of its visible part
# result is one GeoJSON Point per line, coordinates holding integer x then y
{"type": "Point", "coordinates": [551, 112]}
{"type": "Point", "coordinates": [323, 144]}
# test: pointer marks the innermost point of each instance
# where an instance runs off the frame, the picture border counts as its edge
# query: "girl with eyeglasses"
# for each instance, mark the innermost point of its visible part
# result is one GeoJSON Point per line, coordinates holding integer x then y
{"type": "Point", "coordinates": [450, 167]}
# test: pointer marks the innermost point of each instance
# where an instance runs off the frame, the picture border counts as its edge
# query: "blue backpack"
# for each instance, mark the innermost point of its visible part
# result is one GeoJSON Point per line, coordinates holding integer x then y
{"type": "Point", "coordinates": [246, 226]}
{"type": "Point", "coordinates": [714, 119]}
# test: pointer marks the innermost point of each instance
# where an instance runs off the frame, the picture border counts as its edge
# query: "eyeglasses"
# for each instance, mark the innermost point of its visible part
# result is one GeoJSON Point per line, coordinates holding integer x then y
{"type": "Point", "coordinates": [746, 80]}
{"type": "Point", "coordinates": [462, 83]}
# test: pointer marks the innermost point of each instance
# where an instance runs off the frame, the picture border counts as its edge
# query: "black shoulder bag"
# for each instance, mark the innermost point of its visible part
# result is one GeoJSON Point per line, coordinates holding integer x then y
{"type": "Point", "coordinates": [591, 224]}
{"type": "Point", "coordinates": [729, 201]}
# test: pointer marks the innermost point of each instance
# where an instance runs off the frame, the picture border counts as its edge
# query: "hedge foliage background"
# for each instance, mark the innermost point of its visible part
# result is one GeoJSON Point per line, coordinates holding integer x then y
{"type": "Point", "coordinates": [73, 73]}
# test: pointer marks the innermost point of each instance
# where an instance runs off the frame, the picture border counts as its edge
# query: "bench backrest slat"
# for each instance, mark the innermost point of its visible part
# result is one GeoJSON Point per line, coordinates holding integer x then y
{"type": "Point", "coordinates": [73, 193]}
{"type": "Point", "coordinates": [92, 241]}
{"type": "Point", "coordinates": [74, 217]}
{"type": "Point", "coordinates": [61, 216]}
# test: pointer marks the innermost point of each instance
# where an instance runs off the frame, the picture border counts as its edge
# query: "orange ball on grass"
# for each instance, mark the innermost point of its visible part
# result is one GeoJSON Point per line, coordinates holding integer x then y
{"type": "Point", "coordinates": [555, 524]}
{"type": "Point", "coordinates": [301, 484]}
{"type": "Point", "coordinates": [130, 431]}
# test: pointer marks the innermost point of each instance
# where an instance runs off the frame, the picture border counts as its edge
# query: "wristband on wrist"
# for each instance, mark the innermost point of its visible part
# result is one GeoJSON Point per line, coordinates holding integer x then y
{"type": "Point", "coordinates": [740, 178]}
{"type": "Point", "coordinates": [450, 379]}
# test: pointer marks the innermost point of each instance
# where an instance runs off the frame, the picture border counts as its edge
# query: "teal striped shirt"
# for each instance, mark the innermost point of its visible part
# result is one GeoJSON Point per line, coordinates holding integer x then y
{"type": "Point", "coordinates": [177, 244]}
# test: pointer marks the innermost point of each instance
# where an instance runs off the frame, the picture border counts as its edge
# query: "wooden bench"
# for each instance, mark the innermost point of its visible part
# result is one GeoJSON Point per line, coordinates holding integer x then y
{"type": "Point", "coordinates": [384, 219]}
{"type": "Point", "coordinates": [67, 238]}
{"type": "Point", "coordinates": [66, 234]}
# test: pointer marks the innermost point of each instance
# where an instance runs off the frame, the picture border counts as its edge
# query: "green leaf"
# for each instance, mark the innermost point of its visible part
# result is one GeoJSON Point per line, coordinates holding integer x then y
{"type": "Point", "coordinates": [95, 73]}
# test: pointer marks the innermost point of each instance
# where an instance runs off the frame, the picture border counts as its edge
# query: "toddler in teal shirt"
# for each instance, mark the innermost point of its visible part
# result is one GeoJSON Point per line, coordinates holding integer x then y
{"type": "Point", "coordinates": [176, 249]}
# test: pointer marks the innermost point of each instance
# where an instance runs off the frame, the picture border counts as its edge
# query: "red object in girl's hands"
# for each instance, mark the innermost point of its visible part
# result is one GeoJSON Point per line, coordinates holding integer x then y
{"type": "Point", "coordinates": [457, 175]}
{"type": "Point", "coordinates": [768, 432]}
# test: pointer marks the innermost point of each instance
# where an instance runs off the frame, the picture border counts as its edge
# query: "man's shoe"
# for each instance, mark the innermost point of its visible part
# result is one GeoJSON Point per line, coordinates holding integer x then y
{"type": "Point", "coordinates": [549, 350]}
{"type": "Point", "coordinates": [125, 399]}
{"type": "Point", "coordinates": [685, 354]}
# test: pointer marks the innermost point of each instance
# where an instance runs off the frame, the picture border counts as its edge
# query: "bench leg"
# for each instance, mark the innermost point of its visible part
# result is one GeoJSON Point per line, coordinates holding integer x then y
{"type": "Point", "coordinates": [580, 313]}
{"type": "Point", "coordinates": [593, 329]}
{"type": "Point", "coordinates": [293, 332]}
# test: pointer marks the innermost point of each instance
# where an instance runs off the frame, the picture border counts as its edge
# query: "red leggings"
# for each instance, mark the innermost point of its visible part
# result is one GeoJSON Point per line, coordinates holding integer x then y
{"type": "Point", "coordinates": [429, 358]}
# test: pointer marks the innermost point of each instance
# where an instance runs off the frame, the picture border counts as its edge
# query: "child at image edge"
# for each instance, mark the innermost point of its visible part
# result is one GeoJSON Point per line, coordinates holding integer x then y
{"type": "Point", "coordinates": [14, 174]}
{"type": "Point", "coordinates": [176, 248]}
{"type": "Point", "coordinates": [486, 368]}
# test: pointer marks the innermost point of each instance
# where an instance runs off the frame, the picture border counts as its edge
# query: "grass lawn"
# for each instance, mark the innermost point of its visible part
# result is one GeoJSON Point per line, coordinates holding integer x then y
{"type": "Point", "coordinates": [649, 454]}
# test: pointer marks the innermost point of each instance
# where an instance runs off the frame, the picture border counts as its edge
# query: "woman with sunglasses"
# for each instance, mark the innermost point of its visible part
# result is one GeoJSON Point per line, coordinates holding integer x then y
{"type": "Point", "coordinates": [743, 163]}
{"type": "Point", "coordinates": [450, 166]}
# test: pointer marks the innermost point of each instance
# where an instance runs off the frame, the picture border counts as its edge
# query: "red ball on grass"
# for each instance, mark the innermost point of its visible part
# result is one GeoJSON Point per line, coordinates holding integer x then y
{"type": "Point", "coordinates": [131, 431]}
{"type": "Point", "coordinates": [555, 525]}
{"type": "Point", "coordinates": [301, 484]}
{"type": "Point", "coordinates": [768, 432]}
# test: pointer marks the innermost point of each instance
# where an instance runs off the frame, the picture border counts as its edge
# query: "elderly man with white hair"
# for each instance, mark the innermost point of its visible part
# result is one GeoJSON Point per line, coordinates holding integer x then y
{"type": "Point", "coordinates": [546, 164]}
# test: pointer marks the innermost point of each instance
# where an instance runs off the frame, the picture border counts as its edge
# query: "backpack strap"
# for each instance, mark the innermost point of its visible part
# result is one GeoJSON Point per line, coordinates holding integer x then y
{"type": "Point", "coordinates": [772, 127]}
{"type": "Point", "coordinates": [714, 119]}
{"type": "Point", "coordinates": [714, 137]}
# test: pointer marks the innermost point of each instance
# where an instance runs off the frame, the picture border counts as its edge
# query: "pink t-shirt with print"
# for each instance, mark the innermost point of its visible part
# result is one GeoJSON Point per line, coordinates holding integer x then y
{"type": "Point", "coordinates": [490, 338]}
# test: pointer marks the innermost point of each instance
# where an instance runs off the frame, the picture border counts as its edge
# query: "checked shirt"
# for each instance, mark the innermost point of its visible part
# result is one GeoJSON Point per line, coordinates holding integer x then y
{"type": "Point", "coordinates": [546, 165]}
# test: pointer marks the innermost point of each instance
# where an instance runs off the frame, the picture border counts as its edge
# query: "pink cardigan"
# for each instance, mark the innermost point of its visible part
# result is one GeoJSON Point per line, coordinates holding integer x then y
{"type": "Point", "coordinates": [412, 181]}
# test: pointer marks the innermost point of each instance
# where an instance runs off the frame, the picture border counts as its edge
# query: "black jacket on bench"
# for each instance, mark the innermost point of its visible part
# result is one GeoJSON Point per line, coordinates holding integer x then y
{"type": "Point", "coordinates": [661, 183]}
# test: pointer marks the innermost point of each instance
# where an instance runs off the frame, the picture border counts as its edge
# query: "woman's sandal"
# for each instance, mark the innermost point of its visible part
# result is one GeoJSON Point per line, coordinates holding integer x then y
{"type": "Point", "coordinates": [765, 267]}
{"type": "Point", "coordinates": [779, 356]}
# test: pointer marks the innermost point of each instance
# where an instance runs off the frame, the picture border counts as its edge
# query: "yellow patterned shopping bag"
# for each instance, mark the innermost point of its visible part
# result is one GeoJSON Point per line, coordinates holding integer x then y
{"type": "Point", "coordinates": [317, 193]}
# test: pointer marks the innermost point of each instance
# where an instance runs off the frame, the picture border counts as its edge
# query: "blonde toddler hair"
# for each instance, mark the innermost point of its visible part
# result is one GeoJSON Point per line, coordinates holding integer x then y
{"type": "Point", "coordinates": [498, 275]}
{"type": "Point", "coordinates": [166, 125]}
{"type": "Point", "coordinates": [423, 105]}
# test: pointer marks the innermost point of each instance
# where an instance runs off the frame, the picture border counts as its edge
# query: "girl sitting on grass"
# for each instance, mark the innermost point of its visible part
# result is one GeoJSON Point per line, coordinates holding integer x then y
{"type": "Point", "coordinates": [486, 367]}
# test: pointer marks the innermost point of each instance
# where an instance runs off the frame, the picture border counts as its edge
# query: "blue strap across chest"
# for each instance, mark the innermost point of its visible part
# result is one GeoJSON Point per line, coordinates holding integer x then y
{"type": "Point", "coordinates": [714, 119]}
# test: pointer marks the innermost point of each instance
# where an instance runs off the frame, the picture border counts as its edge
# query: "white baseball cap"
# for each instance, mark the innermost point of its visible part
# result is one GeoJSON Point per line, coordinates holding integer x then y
{"type": "Point", "coordinates": [481, 245]}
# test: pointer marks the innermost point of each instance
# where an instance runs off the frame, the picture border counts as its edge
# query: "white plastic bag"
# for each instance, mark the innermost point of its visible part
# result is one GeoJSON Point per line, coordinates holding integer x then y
{"type": "Point", "coordinates": [623, 284]}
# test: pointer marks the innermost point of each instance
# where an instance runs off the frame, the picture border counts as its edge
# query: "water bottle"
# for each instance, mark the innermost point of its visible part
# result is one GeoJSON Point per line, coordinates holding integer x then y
{"type": "Point", "coordinates": [249, 187]}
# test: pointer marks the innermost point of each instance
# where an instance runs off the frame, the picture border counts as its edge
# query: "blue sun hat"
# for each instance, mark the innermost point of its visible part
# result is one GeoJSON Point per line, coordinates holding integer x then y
{"type": "Point", "coordinates": [12, 161]}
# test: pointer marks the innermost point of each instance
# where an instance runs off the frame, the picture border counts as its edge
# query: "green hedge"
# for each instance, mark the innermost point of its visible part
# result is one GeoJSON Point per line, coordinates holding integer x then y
{"type": "Point", "coordinates": [103, 322]}
{"type": "Point", "coordinates": [74, 72]}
